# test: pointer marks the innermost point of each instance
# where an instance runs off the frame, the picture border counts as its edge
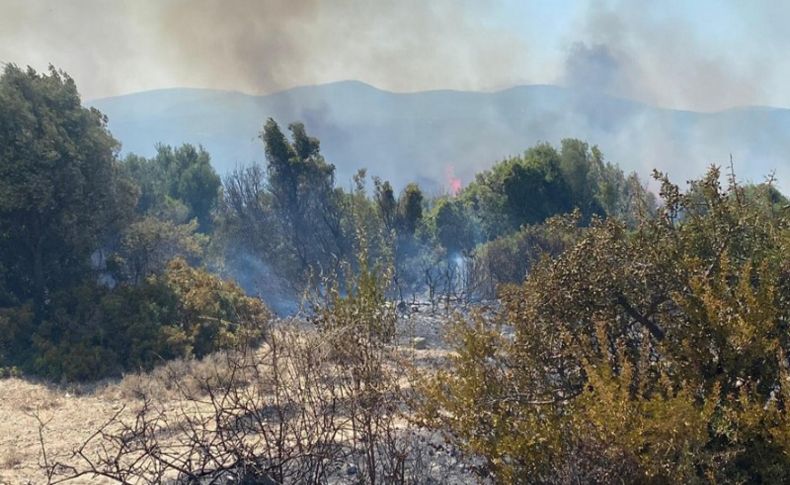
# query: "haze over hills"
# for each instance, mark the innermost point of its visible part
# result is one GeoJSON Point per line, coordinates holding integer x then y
{"type": "Point", "coordinates": [431, 136]}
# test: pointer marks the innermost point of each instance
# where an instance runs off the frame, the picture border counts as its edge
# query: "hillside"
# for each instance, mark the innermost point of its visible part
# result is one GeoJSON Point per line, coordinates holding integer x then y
{"type": "Point", "coordinates": [428, 136]}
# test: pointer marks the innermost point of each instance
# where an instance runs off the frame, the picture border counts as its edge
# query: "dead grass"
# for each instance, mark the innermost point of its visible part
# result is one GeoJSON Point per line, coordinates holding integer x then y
{"type": "Point", "coordinates": [10, 459]}
{"type": "Point", "coordinates": [73, 412]}
{"type": "Point", "coordinates": [70, 416]}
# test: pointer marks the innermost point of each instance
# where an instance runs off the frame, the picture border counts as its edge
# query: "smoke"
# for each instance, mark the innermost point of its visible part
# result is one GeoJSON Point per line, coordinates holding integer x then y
{"type": "Point", "coordinates": [401, 45]}
{"type": "Point", "coordinates": [94, 42]}
{"type": "Point", "coordinates": [257, 278]}
{"type": "Point", "coordinates": [594, 67]}
{"type": "Point", "coordinates": [261, 46]}
{"type": "Point", "coordinates": [651, 52]}
{"type": "Point", "coordinates": [686, 55]}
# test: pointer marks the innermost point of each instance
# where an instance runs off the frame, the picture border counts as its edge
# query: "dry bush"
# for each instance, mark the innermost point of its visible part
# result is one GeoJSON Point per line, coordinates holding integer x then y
{"type": "Point", "coordinates": [172, 378]}
{"type": "Point", "coordinates": [300, 409]}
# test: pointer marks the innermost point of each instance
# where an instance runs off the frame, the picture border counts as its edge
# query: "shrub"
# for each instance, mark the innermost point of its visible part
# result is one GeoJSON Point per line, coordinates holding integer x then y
{"type": "Point", "coordinates": [93, 332]}
{"type": "Point", "coordinates": [508, 259]}
{"type": "Point", "coordinates": [657, 355]}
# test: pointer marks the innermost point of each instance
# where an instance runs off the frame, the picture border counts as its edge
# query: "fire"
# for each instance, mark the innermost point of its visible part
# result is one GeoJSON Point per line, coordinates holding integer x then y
{"type": "Point", "coordinates": [453, 182]}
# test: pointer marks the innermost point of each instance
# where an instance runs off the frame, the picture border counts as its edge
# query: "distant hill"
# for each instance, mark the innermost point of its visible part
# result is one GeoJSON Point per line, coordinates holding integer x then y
{"type": "Point", "coordinates": [426, 136]}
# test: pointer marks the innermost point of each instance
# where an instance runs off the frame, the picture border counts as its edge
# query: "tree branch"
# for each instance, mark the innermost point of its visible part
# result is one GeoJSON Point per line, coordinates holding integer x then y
{"type": "Point", "coordinates": [656, 331]}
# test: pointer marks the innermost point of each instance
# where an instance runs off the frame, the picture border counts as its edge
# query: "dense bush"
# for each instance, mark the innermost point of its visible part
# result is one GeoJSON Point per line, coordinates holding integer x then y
{"type": "Point", "coordinates": [95, 331]}
{"type": "Point", "coordinates": [657, 355]}
{"type": "Point", "coordinates": [85, 286]}
{"type": "Point", "coordinates": [509, 259]}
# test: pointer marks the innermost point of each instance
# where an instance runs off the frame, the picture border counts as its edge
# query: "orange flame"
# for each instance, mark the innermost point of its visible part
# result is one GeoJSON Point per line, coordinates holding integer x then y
{"type": "Point", "coordinates": [453, 182]}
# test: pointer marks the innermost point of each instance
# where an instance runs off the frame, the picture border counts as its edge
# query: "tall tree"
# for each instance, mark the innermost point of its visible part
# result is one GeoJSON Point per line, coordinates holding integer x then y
{"type": "Point", "coordinates": [410, 208]}
{"type": "Point", "coordinates": [61, 195]}
{"type": "Point", "coordinates": [305, 202]}
{"type": "Point", "coordinates": [385, 203]}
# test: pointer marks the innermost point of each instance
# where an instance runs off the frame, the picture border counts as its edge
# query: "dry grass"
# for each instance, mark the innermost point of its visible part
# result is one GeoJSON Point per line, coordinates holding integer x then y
{"type": "Point", "coordinates": [72, 413]}
{"type": "Point", "coordinates": [10, 459]}
{"type": "Point", "coordinates": [71, 418]}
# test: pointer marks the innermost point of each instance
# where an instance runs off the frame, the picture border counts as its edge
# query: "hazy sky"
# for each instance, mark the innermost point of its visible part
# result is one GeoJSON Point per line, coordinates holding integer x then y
{"type": "Point", "coordinates": [700, 54]}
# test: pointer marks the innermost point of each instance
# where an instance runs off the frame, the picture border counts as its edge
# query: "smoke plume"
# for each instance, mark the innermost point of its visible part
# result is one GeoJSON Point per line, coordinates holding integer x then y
{"type": "Point", "coordinates": [261, 46]}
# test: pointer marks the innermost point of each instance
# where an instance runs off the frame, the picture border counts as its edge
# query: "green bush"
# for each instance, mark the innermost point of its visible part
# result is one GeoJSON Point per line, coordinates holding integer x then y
{"type": "Point", "coordinates": [93, 331]}
{"type": "Point", "coordinates": [508, 259]}
{"type": "Point", "coordinates": [657, 355]}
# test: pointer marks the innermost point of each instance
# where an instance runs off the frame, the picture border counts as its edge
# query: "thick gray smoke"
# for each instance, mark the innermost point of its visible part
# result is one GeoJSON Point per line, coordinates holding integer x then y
{"type": "Point", "coordinates": [261, 46]}
{"type": "Point", "coordinates": [645, 51]}
{"type": "Point", "coordinates": [594, 67]}
{"type": "Point", "coordinates": [402, 45]}
{"type": "Point", "coordinates": [686, 55]}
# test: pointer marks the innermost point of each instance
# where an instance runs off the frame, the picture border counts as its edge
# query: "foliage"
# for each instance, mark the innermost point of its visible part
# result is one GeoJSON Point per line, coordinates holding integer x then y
{"type": "Point", "coordinates": [509, 259]}
{"type": "Point", "coordinates": [545, 182]}
{"type": "Point", "coordinates": [149, 243]}
{"type": "Point", "coordinates": [96, 332]}
{"type": "Point", "coordinates": [386, 205]}
{"type": "Point", "coordinates": [61, 192]}
{"type": "Point", "coordinates": [620, 196]}
{"type": "Point", "coordinates": [360, 309]}
{"type": "Point", "coordinates": [304, 200]}
{"type": "Point", "coordinates": [520, 190]}
{"type": "Point", "coordinates": [453, 226]}
{"type": "Point", "coordinates": [291, 218]}
{"type": "Point", "coordinates": [288, 213]}
{"type": "Point", "coordinates": [410, 205]}
{"type": "Point", "coordinates": [657, 355]}
{"type": "Point", "coordinates": [182, 174]}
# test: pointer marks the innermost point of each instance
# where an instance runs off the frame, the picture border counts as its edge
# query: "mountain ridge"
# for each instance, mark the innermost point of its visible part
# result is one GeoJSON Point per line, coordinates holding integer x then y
{"type": "Point", "coordinates": [363, 84]}
{"type": "Point", "coordinates": [423, 136]}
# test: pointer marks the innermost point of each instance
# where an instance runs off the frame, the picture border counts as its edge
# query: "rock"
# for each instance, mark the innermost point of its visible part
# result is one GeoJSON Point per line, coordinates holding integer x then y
{"type": "Point", "coordinates": [351, 470]}
{"type": "Point", "coordinates": [419, 343]}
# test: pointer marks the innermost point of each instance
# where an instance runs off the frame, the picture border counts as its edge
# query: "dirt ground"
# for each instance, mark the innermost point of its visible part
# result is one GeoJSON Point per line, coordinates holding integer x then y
{"type": "Point", "coordinates": [70, 418]}
{"type": "Point", "coordinates": [72, 413]}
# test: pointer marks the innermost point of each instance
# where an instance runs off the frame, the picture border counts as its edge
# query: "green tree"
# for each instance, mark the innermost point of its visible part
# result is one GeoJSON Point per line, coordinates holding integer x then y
{"type": "Point", "coordinates": [410, 204]}
{"type": "Point", "coordinates": [183, 174]}
{"type": "Point", "coordinates": [520, 190]}
{"type": "Point", "coordinates": [61, 193]}
{"type": "Point", "coordinates": [533, 189]}
{"type": "Point", "coordinates": [305, 203]}
{"type": "Point", "coordinates": [385, 203]}
{"type": "Point", "coordinates": [454, 226]}
{"type": "Point", "coordinates": [576, 164]}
